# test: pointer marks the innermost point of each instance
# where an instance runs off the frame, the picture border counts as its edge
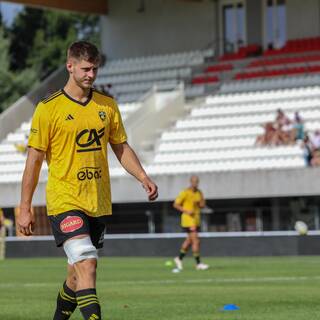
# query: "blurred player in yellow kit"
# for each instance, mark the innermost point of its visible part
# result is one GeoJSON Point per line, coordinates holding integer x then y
{"type": "Point", "coordinates": [2, 235]}
{"type": "Point", "coordinates": [71, 130]}
{"type": "Point", "coordinates": [189, 202]}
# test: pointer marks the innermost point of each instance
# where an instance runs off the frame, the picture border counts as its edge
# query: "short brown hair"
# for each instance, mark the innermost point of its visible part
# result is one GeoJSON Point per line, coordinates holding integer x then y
{"type": "Point", "coordinates": [83, 50]}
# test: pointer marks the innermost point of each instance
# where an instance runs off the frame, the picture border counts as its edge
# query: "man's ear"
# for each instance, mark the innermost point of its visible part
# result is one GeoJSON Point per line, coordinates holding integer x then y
{"type": "Point", "coordinates": [69, 65]}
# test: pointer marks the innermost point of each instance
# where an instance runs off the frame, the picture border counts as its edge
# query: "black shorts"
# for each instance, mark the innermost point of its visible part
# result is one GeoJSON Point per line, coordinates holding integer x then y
{"type": "Point", "coordinates": [73, 223]}
{"type": "Point", "coordinates": [188, 229]}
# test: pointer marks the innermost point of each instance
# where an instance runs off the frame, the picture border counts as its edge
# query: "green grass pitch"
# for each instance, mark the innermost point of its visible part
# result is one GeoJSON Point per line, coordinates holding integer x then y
{"type": "Point", "coordinates": [278, 288]}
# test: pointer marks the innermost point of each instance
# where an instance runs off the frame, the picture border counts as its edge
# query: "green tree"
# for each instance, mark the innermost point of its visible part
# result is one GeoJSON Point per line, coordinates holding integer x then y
{"type": "Point", "coordinates": [42, 45]}
{"type": "Point", "coordinates": [13, 85]}
{"type": "Point", "coordinates": [5, 76]}
{"type": "Point", "coordinates": [22, 33]}
{"type": "Point", "coordinates": [35, 45]}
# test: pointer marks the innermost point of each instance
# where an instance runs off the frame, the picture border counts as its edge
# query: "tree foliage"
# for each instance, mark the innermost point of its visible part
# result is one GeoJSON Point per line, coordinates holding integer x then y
{"type": "Point", "coordinates": [13, 85]}
{"type": "Point", "coordinates": [35, 45]}
{"type": "Point", "coordinates": [39, 38]}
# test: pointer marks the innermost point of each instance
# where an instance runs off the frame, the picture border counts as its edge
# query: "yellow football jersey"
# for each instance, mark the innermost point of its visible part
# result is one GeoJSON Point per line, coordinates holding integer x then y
{"type": "Point", "coordinates": [189, 200]}
{"type": "Point", "coordinates": [74, 136]}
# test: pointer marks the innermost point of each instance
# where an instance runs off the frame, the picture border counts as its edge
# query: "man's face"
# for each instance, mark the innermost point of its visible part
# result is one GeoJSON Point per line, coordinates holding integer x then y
{"type": "Point", "coordinates": [194, 180]}
{"type": "Point", "coordinates": [83, 72]}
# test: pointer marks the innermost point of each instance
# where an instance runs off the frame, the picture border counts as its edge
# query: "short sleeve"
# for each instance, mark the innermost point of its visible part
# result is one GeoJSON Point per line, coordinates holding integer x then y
{"type": "Point", "coordinates": [40, 128]}
{"type": "Point", "coordinates": [117, 131]}
{"type": "Point", "coordinates": [180, 198]}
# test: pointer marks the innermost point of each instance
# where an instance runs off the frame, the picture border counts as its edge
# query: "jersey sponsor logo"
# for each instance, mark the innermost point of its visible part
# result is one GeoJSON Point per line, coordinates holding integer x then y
{"type": "Point", "coordinates": [102, 115]}
{"type": "Point", "coordinates": [33, 130]}
{"type": "Point", "coordinates": [89, 173]}
{"type": "Point", "coordinates": [89, 140]}
{"type": "Point", "coordinates": [69, 117]}
{"type": "Point", "coordinates": [70, 224]}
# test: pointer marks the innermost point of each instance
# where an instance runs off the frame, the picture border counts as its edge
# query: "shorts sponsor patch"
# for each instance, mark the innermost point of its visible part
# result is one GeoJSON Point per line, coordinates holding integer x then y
{"type": "Point", "coordinates": [70, 224]}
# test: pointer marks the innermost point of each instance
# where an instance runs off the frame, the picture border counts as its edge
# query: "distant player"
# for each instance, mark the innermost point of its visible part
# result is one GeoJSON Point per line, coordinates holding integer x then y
{"type": "Point", "coordinates": [72, 128]}
{"type": "Point", "coordinates": [189, 202]}
{"type": "Point", "coordinates": [2, 235]}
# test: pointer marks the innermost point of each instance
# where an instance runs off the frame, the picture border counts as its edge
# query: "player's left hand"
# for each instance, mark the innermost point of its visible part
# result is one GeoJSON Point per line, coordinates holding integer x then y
{"type": "Point", "coordinates": [151, 188]}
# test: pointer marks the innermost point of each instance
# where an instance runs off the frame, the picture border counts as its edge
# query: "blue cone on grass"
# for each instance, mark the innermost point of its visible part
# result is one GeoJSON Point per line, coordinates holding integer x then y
{"type": "Point", "coordinates": [230, 307]}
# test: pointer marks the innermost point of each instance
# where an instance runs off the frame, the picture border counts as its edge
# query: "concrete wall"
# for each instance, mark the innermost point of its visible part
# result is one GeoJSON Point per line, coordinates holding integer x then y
{"type": "Point", "coordinates": [303, 18]}
{"type": "Point", "coordinates": [219, 185]}
{"type": "Point", "coordinates": [165, 26]}
{"type": "Point", "coordinates": [210, 246]}
{"type": "Point", "coordinates": [228, 185]}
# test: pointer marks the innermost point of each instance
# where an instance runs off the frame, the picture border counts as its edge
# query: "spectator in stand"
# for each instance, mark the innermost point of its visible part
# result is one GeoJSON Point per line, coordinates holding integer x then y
{"type": "Point", "coordinates": [269, 136]}
{"type": "Point", "coordinates": [298, 127]}
{"type": "Point", "coordinates": [281, 118]}
{"type": "Point", "coordinates": [315, 140]}
{"type": "Point", "coordinates": [307, 150]}
{"type": "Point", "coordinates": [23, 146]}
{"type": "Point", "coordinates": [283, 128]}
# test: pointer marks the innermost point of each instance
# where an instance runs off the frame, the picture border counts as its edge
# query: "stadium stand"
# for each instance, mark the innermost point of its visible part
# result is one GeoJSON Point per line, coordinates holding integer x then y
{"type": "Point", "coordinates": [296, 46]}
{"type": "Point", "coordinates": [243, 52]}
{"type": "Point", "coordinates": [217, 135]}
{"type": "Point", "coordinates": [217, 132]}
{"type": "Point", "coordinates": [131, 78]}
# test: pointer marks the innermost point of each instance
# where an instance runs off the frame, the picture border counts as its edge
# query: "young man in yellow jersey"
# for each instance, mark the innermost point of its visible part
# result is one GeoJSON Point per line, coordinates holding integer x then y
{"type": "Point", "coordinates": [189, 202]}
{"type": "Point", "coordinates": [72, 128]}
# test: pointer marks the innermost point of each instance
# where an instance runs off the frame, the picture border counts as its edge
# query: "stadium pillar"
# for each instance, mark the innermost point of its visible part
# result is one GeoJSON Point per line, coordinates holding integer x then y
{"type": "Point", "coordinates": [275, 214]}
{"type": "Point", "coordinates": [259, 219]}
{"type": "Point", "coordinates": [316, 217]}
{"type": "Point", "coordinates": [151, 224]}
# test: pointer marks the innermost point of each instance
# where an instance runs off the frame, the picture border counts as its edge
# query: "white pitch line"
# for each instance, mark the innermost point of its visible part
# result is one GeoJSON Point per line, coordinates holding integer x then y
{"type": "Point", "coordinates": [170, 281]}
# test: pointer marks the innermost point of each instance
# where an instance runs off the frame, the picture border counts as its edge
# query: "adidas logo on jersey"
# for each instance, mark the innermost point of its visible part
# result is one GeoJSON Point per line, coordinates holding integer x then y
{"type": "Point", "coordinates": [69, 117]}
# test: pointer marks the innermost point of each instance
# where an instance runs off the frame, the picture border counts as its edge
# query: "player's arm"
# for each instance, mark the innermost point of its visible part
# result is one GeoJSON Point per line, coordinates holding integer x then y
{"type": "Point", "coordinates": [179, 207]}
{"type": "Point", "coordinates": [177, 204]}
{"type": "Point", "coordinates": [130, 162]}
{"type": "Point", "coordinates": [202, 202]}
{"type": "Point", "coordinates": [30, 179]}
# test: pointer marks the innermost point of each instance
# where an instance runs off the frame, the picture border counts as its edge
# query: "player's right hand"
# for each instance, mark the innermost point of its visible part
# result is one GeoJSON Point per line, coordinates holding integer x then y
{"type": "Point", "coordinates": [25, 222]}
{"type": "Point", "coordinates": [151, 188]}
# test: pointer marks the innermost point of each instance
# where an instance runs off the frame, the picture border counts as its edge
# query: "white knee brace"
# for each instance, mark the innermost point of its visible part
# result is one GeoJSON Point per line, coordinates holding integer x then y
{"type": "Point", "coordinates": [80, 249]}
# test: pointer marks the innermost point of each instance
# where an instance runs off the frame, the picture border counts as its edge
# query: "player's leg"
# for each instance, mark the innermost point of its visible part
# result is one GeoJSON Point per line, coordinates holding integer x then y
{"type": "Point", "coordinates": [86, 271]}
{"type": "Point", "coordinates": [196, 250]}
{"type": "Point", "coordinates": [72, 230]}
{"type": "Point", "coordinates": [82, 254]}
{"type": "Point", "coordinates": [66, 300]}
{"type": "Point", "coordinates": [183, 251]}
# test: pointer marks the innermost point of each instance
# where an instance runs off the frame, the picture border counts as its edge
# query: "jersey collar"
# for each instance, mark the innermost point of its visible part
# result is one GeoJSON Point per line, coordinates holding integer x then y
{"type": "Point", "coordinates": [76, 101]}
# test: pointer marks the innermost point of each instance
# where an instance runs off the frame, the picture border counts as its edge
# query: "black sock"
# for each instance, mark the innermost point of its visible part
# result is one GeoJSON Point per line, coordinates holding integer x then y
{"type": "Point", "coordinates": [196, 256]}
{"type": "Point", "coordinates": [66, 303]}
{"type": "Point", "coordinates": [182, 254]}
{"type": "Point", "coordinates": [89, 304]}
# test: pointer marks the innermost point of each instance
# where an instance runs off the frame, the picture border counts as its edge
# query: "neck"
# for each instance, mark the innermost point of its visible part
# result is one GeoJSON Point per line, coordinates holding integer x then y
{"type": "Point", "coordinates": [76, 92]}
